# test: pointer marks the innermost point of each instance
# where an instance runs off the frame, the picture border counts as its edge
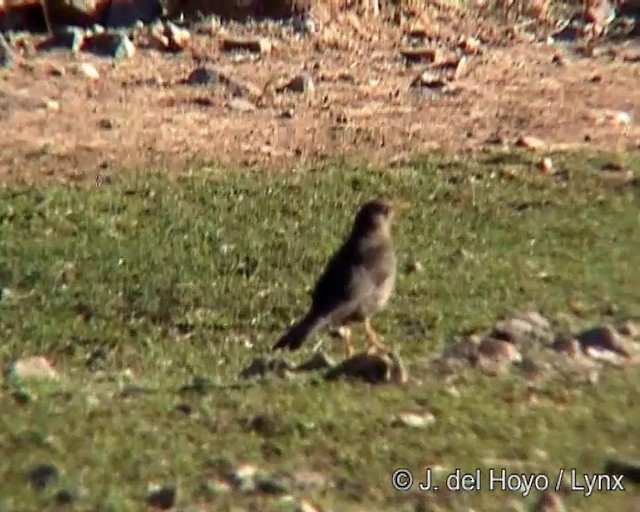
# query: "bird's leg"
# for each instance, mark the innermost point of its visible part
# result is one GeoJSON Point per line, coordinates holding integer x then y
{"type": "Point", "coordinates": [345, 334]}
{"type": "Point", "coordinates": [373, 340]}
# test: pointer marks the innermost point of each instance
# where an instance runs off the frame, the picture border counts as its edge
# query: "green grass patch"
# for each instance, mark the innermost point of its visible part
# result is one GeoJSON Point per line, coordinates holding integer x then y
{"type": "Point", "coordinates": [156, 281]}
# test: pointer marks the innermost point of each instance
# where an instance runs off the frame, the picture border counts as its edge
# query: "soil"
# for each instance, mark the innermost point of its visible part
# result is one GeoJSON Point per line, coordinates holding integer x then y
{"type": "Point", "coordinates": [56, 123]}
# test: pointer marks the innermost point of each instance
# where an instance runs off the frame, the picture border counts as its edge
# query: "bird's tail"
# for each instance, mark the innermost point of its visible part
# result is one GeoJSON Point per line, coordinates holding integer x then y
{"type": "Point", "coordinates": [299, 332]}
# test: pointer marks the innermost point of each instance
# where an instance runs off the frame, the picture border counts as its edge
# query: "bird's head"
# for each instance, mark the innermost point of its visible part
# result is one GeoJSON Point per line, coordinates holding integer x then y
{"type": "Point", "coordinates": [378, 215]}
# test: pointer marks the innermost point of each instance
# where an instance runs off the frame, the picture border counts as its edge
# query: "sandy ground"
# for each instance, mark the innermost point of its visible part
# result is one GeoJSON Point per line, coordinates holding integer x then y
{"type": "Point", "coordinates": [55, 123]}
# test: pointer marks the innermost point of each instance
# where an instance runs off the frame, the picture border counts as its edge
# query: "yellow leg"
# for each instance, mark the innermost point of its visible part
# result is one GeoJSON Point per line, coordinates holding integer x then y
{"type": "Point", "coordinates": [345, 334]}
{"type": "Point", "coordinates": [373, 340]}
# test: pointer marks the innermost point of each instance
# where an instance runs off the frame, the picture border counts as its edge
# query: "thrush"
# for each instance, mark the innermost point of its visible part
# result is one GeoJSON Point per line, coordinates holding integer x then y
{"type": "Point", "coordinates": [356, 283]}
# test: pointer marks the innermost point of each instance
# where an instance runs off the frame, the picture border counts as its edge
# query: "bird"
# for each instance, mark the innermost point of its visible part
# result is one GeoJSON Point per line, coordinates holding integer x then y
{"type": "Point", "coordinates": [356, 282]}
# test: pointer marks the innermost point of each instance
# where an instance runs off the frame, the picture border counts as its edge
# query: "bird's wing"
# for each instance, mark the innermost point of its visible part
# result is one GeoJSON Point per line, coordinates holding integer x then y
{"type": "Point", "coordinates": [343, 280]}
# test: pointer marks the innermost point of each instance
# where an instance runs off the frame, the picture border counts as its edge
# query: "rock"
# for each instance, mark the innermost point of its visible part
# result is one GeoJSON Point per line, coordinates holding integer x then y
{"type": "Point", "coordinates": [549, 502]}
{"type": "Point", "coordinates": [307, 506]}
{"type": "Point", "coordinates": [243, 478]}
{"type": "Point", "coordinates": [420, 55]}
{"type": "Point", "coordinates": [524, 329]}
{"type": "Point", "coordinates": [499, 350]}
{"type": "Point", "coordinates": [65, 497]}
{"type": "Point", "coordinates": [36, 367]}
{"type": "Point", "coordinates": [430, 81]}
{"type": "Point", "coordinates": [88, 70]}
{"type": "Point", "coordinates": [545, 166]}
{"type": "Point", "coordinates": [262, 366]}
{"type": "Point", "coordinates": [270, 485]}
{"type": "Point", "coordinates": [240, 105]}
{"type": "Point", "coordinates": [616, 179]}
{"type": "Point", "coordinates": [253, 45]}
{"type": "Point", "coordinates": [414, 267]}
{"type": "Point", "coordinates": [42, 475]}
{"type": "Point", "coordinates": [178, 37]}
{"type": "Point", "coordinates": [318, 361]}
{"type": "Point", "coordinates": [630, 329]}
{"type": "Point", "coordinates": [629, 470]}
{"type": "Point", "coordinates": [162, 497]}
{"type": "Point", "coordinates": [169, 37]}
{"type": "Point", "coordinates": [371, 368]}
{"type": "Point", "coordinates": [413, 420]}
{"type": "Point", "coordinates": [118, 46]}
{"type": "Point", "coordinates": [301, 83]}
{"type": "Point", "coordinates": [203, 76]}
{"type": "Point", "coordinates": [7, 58]}
{"type": "Point", "coordinates": [604, 343]}
{"type": "Point", "coordinates": [530, 143]}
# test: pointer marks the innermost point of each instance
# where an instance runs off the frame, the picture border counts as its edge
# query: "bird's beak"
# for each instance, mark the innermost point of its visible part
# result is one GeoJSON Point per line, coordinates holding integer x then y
{"type": "Point", "coordinates": [400, 206]}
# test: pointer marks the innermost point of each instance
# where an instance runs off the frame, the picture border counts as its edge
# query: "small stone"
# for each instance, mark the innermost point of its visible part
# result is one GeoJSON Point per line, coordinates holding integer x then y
{"type": "Point", "coordinates": [307, 506]}
{"type": "Point", "coordinates": [106, 124]}
{"type": "Point", "coordinates": [429, 80]}
{"type": "Point", "coordinates": [253, 45]}
{"type": "Point", "coordinates": [630, 329]}
{"type": "Point", "coordinates": [36, 367]}
{"type": "Point", "coordinates": [301, 83]}
{"type": "Point", "coordinates": [203, 76]}
{"type": "Point", "coordinates": [415, 55]}
{"type": "Point", "coordinates": [88, 70]}
{"type": "Point", "coordinates": [241, 105]}
{"type": "Point", "coordinates": [117, 46]}
{"type": "Point", "coordinates": [178, 37]}
{"type": "Point", "coordinates": [269, 485]}
{"type": "Point", "coordinates": [52, 105]}
{"type": "Point", "coordinates": [530, 143]}
{"type": "Point", "coordinates": [545, 166]}
{"type": "Point", "coordinates": [371, 368]}
{"type": "Point", "coordinates": [470, 45]}
{"type": "Point", "coordinates": [162, 497]}
{"type": "Point", "coordinates": [7, 58]}
{"type": "Point", "coordinates": [412, 420]}
{"type": "Point", "coordinates": [414, 267]}
{"type": "Point", "coordinates": [42, 475]}
{"type": "Point", "coordinates": [549, 502]}
{"type": "Point", "coordinates": [499, 350]}
{"type": "Point", "coordinates": [603, 342]}
{"type": "Point", "coordinates": [65, 497]}
{"type": "Point", "coordinates": [243, 477]}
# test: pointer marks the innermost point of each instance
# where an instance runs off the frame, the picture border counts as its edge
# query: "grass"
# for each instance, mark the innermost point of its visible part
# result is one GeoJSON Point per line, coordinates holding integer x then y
{"type": "Point", "coordinates": [155, 281]}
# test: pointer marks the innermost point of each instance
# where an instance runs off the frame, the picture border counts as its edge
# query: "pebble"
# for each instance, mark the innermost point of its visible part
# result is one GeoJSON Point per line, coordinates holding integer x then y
{"type": "Point", "coordinates": [42, 475]}
{"type": "Point", "coordinates": [302, 83]}
{"type": "Point", "coordinates": [88, 70]}
{"type": "Point", "coordinates": [162, 497]}
{"type": "Point", "coordinates": [36, 367]}
{"type": "Point", "coordinates": [203, 76]}
{"type": "Point", "coordinates": [413, 420]}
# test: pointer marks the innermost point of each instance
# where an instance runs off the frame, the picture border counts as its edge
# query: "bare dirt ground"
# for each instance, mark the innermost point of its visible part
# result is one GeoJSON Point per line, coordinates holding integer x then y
{"type": "Point", "coordinates": [56, 123]}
